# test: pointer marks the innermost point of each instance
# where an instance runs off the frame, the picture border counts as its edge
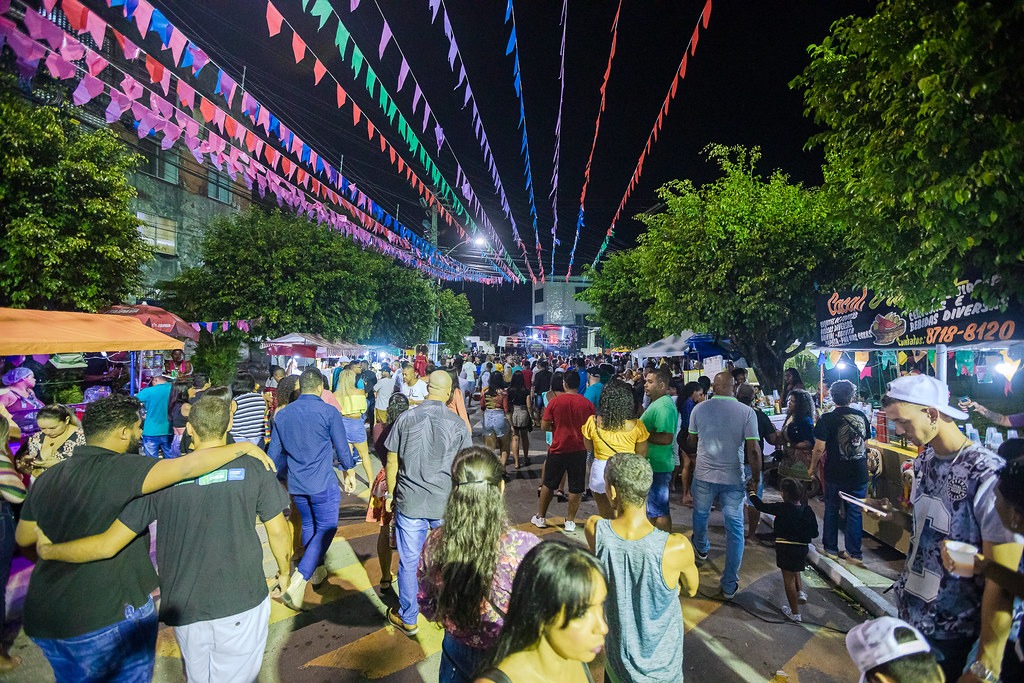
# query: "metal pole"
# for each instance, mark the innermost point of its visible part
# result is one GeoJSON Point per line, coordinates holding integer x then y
{"type": "Point", "coordinates": [940, 362]}
{"type": "Point", "coordinates": [243, 78]}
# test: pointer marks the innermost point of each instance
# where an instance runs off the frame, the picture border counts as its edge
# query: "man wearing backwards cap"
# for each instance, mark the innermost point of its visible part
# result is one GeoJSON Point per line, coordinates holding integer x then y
{"type": "Point", "coordinates": [421, 446]}
{"type": "Point", "coordinates": [953, 498]}
{"type": "Point", "coordinates": [888, 650]}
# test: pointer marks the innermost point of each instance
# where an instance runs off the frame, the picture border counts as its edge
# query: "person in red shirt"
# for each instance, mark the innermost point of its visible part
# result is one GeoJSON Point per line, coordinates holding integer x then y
{"type": "Point", "coordinates": [419, 363]}
{"type": "Point", "coordinates": [564, 417]}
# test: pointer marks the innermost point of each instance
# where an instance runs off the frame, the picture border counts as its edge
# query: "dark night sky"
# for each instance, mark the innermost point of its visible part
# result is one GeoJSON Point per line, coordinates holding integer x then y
{"type": "Point", "coordinates": [735, 92]}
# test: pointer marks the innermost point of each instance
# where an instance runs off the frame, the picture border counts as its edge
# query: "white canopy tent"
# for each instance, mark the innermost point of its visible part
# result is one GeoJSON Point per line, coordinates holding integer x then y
{"type": "Point", "coordinates": [672, 345]}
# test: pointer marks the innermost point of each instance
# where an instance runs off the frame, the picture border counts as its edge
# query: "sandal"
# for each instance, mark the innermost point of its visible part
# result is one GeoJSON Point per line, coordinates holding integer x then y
{"type": "Point", "coordinates": [386, 585]}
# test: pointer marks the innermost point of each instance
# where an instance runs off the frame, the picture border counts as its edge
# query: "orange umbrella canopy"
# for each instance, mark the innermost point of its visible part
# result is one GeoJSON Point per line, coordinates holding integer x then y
{"type": "Point", "coordinates": [157, 318]}
{"type": "Point", "coordinates": [26, 332]}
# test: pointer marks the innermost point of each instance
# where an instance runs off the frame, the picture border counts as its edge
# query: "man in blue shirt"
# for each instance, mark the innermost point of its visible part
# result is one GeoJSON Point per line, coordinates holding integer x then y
{"type": "Point", "coordinates": [594, 386]}
{"type": "Point", "coordinates": [307, 435]}
{"type": "Point", "coordinates": [156, 430]}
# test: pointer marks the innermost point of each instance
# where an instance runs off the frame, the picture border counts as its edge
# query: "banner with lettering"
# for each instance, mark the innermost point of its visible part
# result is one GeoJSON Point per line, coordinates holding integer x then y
{"type": "Point", "coordinates": [865, 320]}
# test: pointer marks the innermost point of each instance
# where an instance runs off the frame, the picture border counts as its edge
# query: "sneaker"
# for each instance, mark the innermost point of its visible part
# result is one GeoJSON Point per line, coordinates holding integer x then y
{"type": "Point", "coordinates": [789, 614]}
{"type": "Point", "coordinates": [396, 621]}
{"type": "Point", "coordinates": [570, 525]}
{"type": "Point", "coordinates": [293, 595]}
{"type": "Point", "coordinates": [701, 557]}
{"type": "Point", "coordinates": [319, 576]}
{"type": "Point", "coordinates": [722, 595]}
{"type": "Point", "coordinates": [830, 554]}
{"type": "Point", "coordinates": [801, 597]}
{"type": "Point", "coordinates": [850, 559]}
{"type": "Point", "coordinates": [539, 522]}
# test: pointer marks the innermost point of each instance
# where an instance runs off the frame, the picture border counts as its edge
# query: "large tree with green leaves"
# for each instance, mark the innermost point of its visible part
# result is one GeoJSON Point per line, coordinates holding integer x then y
{"type": "Point", "coordinates": [741, 257]}
{"type": "Point", "coordinates": [923, 105]}
{"type": "Point", "coordinates": [68, 238]}
{"type": "Point", "coordinates": [285, 272]}
{"type": "Point", "coordinates": [405, 313]}
{"type": "Point", "coordinates": [456, 320]}
{"type": "Point", "coordinates": [621, 296]}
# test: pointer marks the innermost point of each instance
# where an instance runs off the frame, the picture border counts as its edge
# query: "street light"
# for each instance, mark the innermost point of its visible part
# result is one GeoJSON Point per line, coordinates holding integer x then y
{"type": "Point", "coordinates": [478, 241]}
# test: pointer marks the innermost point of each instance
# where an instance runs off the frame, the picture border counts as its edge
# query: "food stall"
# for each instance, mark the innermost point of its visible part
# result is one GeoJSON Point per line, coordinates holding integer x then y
{"type": "Point", "coordinates": [300, 345]}
{"type": "Point", "coordinates": [26, 332]}
{"type": "Point", "coordinates": [958, 332]}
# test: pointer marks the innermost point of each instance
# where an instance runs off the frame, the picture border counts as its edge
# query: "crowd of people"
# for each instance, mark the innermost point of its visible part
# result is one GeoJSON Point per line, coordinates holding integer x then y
{"type": "Point", "coordinates": [513, 608]}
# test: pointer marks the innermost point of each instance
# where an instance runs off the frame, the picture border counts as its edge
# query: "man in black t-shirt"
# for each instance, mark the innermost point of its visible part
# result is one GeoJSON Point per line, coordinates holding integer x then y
{"type": "Point", "coordinates": [541, 385]}
{"type": "Point", "coordinates": [766, 432]}
{"type": "Point", "coordinates": [97, 621]}
{"type": "Point", "coordinates": [841, 435]}
{"type": "Point", "coordinates": [212, 587]}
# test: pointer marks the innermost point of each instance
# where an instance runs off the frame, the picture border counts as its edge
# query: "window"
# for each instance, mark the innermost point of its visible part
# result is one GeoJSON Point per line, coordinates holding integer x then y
{"type": "Point", "coordinates": [218, 186]}
{"type": "Point", "coordinates": [581, 289]}
{"type": "Point", "coordinates": [538, 319]}
{"type": "Point", "coordinates": [162, 164]}
{"type": "Point", "coordinates": [159, 232]}
{"type": "Point", "coordinates": [581, 319]}
{"type": "Point", "coordinates": [538, 296]}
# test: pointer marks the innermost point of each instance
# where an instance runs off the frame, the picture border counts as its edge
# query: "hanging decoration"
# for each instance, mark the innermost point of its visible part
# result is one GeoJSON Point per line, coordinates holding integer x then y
{"type": "Point", "coordinates": [558, 139]}
{"type": "Point", "coordinates": [593, 144]}
{"type": "Point", "coordinates": [222, 326]}
{"type": "Point", "coordinates": [691, 49]}
{"type": "Point", "coordinates": [1008, 368]}
{"type": "Point", "coordinates": [161, 116]}
{"type": "Point", "coordinates": [513, 49]}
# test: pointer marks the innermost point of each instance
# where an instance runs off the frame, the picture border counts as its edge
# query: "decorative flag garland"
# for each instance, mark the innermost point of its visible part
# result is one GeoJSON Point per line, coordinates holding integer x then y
{"type": "Point", "coordinates": [157, 117]}
{"type": "Point", "coordinates": [322, 9]}
{"type": "Point", "coordinates": [558, 140]}
{"type": "Point", "coordinates": [513, 49]}
{"type": "Point", "coordinates": [593, 145]}
{"type": "Point", "coordinates": [691, 49]}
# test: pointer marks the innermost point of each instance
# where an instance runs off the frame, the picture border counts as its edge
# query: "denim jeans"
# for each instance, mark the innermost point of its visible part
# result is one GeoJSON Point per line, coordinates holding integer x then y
{"type": "Point", "coordinates": [320, 513]}
{"type": "Point", "coordinates": [854, 531]}
{"type": "Point", "coordinates": [410, 534]}
{"type": "Point", "coordinates": [122, 652]}
{"type": "Point", "coordinates": [151, 445]}
{"type": "Point", "coordinates": [460, 663]}
{"type": "Point", "coordinates": [730, 497]}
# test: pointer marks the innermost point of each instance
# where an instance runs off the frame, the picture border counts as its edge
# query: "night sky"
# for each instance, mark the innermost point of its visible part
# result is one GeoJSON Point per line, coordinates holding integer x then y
{"type": "Point", "coordinates": [735, 92]}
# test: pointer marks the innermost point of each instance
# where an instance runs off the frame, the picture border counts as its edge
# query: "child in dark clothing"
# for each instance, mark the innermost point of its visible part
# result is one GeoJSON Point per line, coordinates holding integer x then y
{"type": "Point", "coordinates": [795, 527]}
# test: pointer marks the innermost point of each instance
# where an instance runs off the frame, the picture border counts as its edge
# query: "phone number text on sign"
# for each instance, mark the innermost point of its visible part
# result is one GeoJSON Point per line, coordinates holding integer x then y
{"type": "Point", "coordinates": [973, 332]}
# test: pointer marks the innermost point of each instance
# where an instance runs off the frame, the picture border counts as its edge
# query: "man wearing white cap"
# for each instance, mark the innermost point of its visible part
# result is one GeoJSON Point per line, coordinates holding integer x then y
{"type": "Point", "coordinates": [953, 499]}
{"type": "Point", "coordinates": [889, 650]}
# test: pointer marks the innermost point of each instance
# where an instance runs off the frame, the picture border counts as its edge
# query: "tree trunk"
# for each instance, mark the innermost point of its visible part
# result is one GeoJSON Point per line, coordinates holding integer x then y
{"type": "Point", "coordinates": [766, 363]}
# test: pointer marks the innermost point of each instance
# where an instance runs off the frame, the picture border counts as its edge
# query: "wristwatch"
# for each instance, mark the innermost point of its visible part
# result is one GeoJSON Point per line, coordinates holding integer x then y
{"type": "Point", "coordinates": [982, 672]}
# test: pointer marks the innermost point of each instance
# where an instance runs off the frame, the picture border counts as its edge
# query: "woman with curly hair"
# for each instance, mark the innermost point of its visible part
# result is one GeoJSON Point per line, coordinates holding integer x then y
{"type": "Point", "coordinates": [614, 429]}
{"type": "Point", "coordinates": [468, 565]}
{"type": "Point", "coordinates": [798, 435]}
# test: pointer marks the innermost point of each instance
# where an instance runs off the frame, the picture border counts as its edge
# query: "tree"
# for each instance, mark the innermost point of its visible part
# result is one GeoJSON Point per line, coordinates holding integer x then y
{"type": "Point", "coordinates": [285, 273]}
{"type": "Point", "coordinates": [405, 316]}
{"type": "Point", "coordinates": [742, 257]}
{"type": "Point", "coordinates": [922, 105]}
{"type": "Point", "coordinates": [456, 320]}
{"type": "Point", "coordinates": [621, 297]}
{"type": "Point", "coordinates": [68, 237]}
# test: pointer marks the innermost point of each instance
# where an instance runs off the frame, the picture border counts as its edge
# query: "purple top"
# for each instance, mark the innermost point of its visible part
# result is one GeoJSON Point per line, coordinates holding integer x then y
{"type": "Point", "coordinates": [1016, 420]}
{"type": "Point", "coordinates": [513, 546]}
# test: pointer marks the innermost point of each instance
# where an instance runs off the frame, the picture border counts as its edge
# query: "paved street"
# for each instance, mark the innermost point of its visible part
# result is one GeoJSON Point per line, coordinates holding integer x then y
{"type": "Point", "coordinates": [345, 638]}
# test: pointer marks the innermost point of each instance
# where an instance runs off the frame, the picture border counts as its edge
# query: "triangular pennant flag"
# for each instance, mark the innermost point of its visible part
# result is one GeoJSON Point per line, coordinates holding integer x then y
{"type": "Point", "coordinates": [385, 38]}
{"type": "Point", "coordinates": [298, 47]}
{"type": "Point", "coordinates": [341, 96]}
{"type": "Point", "coordinates": [356, 113]}
{"type": "Point", "coordinates": [177, 45]}
{"type": "Point", "coordinates": [403, 72]}
{"type": "Point", "coordinates": [341, 39]}
{"type": "Point", "coordinates": [274, 19]}
{"type": "Point", "coordinates": [694, 39]}
{"type": "Point", "coordinates": [318, 71]}
{"type": "Point", "coordinates": [706, 14]}
{"type": "Point", "coordinates": [322, 10]}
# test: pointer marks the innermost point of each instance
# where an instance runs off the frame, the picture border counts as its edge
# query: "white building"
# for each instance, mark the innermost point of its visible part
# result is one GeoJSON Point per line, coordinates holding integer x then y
{"type": "Point", "coordinates": [554, 302]}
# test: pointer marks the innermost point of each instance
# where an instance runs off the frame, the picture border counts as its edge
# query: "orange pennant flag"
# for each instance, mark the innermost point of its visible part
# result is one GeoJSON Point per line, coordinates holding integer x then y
{"type": "Point", "coordinates": [318, 71]}
{"type": "Point", "coordinates": [356, 113]}
{"type": "Point", "coordinates": [341, 96]}
{"type": "Point", "coordinates": [694, 39]}
{"type": "Point", "coordinates": [369, 129]}
{"type": "Point", "coordinates": [298, 47]}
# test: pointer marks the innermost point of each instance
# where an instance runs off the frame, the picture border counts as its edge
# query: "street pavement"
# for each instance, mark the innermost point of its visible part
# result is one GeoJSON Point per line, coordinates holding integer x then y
{"type": "Point", "coordinates": [345, 637]}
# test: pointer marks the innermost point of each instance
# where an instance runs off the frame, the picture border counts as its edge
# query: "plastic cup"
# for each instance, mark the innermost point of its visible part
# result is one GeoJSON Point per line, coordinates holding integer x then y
{"type": "Point", "coordinates": [962, 555]}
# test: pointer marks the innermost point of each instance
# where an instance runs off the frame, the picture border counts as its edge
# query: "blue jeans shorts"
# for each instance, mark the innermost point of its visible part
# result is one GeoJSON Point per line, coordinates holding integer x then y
{"type": "Point", "coordinates": [657, 498]}
{"type": "Point", "coordinates": [355, 429]}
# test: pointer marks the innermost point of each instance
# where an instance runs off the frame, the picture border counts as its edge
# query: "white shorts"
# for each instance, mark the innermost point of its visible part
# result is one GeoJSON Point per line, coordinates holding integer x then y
{"type": "Point", "coordinates": [229, 649]}
{"type": "Point", "coordinates": [597, 476]}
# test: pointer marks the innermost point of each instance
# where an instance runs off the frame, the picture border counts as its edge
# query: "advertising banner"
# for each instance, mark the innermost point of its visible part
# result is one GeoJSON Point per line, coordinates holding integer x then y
{"type": "Point", "coordinates": [864, 320]}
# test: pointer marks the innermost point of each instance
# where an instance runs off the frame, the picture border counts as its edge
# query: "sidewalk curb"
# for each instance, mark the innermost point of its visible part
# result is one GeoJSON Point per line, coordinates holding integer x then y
{"type": "Point", "coordinates": [837, 575]}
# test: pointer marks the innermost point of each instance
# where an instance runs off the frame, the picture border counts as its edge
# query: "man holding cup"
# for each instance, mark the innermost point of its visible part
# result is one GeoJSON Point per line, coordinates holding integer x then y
{"type": "Point", "coordinates": [953, 497]}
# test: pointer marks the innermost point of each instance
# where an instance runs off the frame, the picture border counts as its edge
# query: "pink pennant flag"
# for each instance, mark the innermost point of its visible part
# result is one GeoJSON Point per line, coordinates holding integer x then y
{"type": "Point", "coordinates": [95, 63]}
{"type": "Point", "coordinates": [318, 71]}
{"type": "Point", "coordinates": [96, 27]}
{"type": "Point", "coordinates": [143, 14]}
{"type": "Point", "coordinates": [119, 102]}
{"type": "Point", "coordinates": [48, 4]}
{"type": "Point", "coordinates": [341, 96]}
{"type": "Point", "coordinates": [87, 89]}
{"type": "Point", "coordinates": [71, 49]}
{"type": "Point", "coordinates": [353, 4]}
{"type": "Point", "coordinates": [171, 135]}
{"type": "Point", "coordinates": [274, 19]}
{"type": "Point", "coordinates": [298, 47]}
{"type": "Point", "coordinates": [426, 115]}
{"type": "Point", "coordinates": [35, 24]}
{"type": "Point", "coordinates": [59, 67]}
{"type": "Point", "coordinates": [165, 82]}
{"type": "Point", "coordinates": [385, 38]}
{"type": "Point", "coordinates": [403, 72]}
{"type": "Point", "coordinates": [263, 119]}
{"type": "Point", "coordinates": [417, 94]}
{"type": "Point", "coordinates": [177, 44]}
{"type": "Point", "coordinates": [218, 118]}
{"type": "Point", "coordinates": [356, 113]}
{"type": "Point", "coordinates": [186, 94]}
{"type": "Point", "coordinates": [161, 105]}
{"type": "Point", "coordinates": [131, 50]}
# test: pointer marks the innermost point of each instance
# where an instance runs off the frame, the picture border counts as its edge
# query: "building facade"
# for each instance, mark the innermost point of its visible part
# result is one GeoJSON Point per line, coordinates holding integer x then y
{"type": "Point", "coordinates": [554, 302]}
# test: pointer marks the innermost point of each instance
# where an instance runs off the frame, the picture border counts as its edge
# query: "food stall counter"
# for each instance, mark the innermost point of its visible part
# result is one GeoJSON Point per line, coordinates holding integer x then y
{"type": "Point", "coordinates": [888, 481]}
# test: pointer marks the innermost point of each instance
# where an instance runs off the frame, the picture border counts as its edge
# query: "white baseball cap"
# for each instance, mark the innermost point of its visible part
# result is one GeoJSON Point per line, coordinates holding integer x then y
{"type": "Point", "coordinates": [925, 391]}
{"type": "Point", "coordinates": [874, 643]}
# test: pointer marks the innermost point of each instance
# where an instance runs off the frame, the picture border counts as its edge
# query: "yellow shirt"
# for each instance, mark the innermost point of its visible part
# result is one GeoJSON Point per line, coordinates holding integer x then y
{"type": "Point", "coordinates": [608, 443]}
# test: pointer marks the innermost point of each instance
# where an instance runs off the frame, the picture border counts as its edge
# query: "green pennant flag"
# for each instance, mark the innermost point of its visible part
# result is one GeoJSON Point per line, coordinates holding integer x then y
{"type": "Point", "coordinates": [392, 110]}
{"type": "Point", "coordinates": [382, 99]}
{"type": "Point", "coordinates": [402, 127]}
{"type": "Point", "coordinates": [321, 9]}
{"type": "Point", "coordinates": [357, 60]}
{"type": "Point", "coordinates": [304, 3]}
{"type": "Point", "coordinates": [371, 80]}
{"type": "Point", "coordinates": [341, 39]}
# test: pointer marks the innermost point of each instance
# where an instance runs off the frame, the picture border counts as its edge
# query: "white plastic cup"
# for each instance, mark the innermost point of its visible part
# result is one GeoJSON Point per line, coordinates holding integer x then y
{"type": "Point", "coordinates": [962, 555]}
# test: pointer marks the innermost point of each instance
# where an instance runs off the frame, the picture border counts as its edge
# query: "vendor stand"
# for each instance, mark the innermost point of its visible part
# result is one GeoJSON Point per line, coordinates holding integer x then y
{"type": "Point", "coordinates": [861, 322]}
{"type": "Point", "coordinates": [292, 347]}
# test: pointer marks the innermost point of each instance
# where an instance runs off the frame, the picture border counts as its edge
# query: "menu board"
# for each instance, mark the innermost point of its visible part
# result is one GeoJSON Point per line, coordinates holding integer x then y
{"type": "Point", "coordinates": [859, 320]}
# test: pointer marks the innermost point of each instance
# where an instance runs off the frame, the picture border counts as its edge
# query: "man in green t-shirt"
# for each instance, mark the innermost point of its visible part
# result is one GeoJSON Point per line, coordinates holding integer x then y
{"type": "Point", "coordinates": [661, 419]}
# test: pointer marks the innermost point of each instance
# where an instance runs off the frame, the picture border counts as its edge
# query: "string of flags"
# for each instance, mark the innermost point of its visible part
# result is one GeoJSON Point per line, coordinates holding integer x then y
{"type": "Point", "coordinates": [558, 139]}
{"type": "Point", "coordinates": [593, 145]}
{"type": "Point", "coordinates": [680, 74]}
{"type": "Point", "coordinates": [174, 123]}
{"type": "Point", "coordinates": [222, 326]}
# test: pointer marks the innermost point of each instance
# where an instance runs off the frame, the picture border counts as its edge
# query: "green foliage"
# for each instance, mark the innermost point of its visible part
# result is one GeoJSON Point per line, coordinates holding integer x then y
{"type": "Point", "coordinates": [285, 273]}
{"type": "Point", "coordinates": [216, 355]}
{"type": "Point", "coordinates": [68, 239]}
{"type": "Point", "coordinates": [621, 297]}
{"type": "Point", "coordinates": [922, 105]}
{"type": "Point", "coordinates": [741, 256]}
{"type": "Point", "coordinates": [456, 320]}
{"type": "Point", "coordinates": [405, 316]}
